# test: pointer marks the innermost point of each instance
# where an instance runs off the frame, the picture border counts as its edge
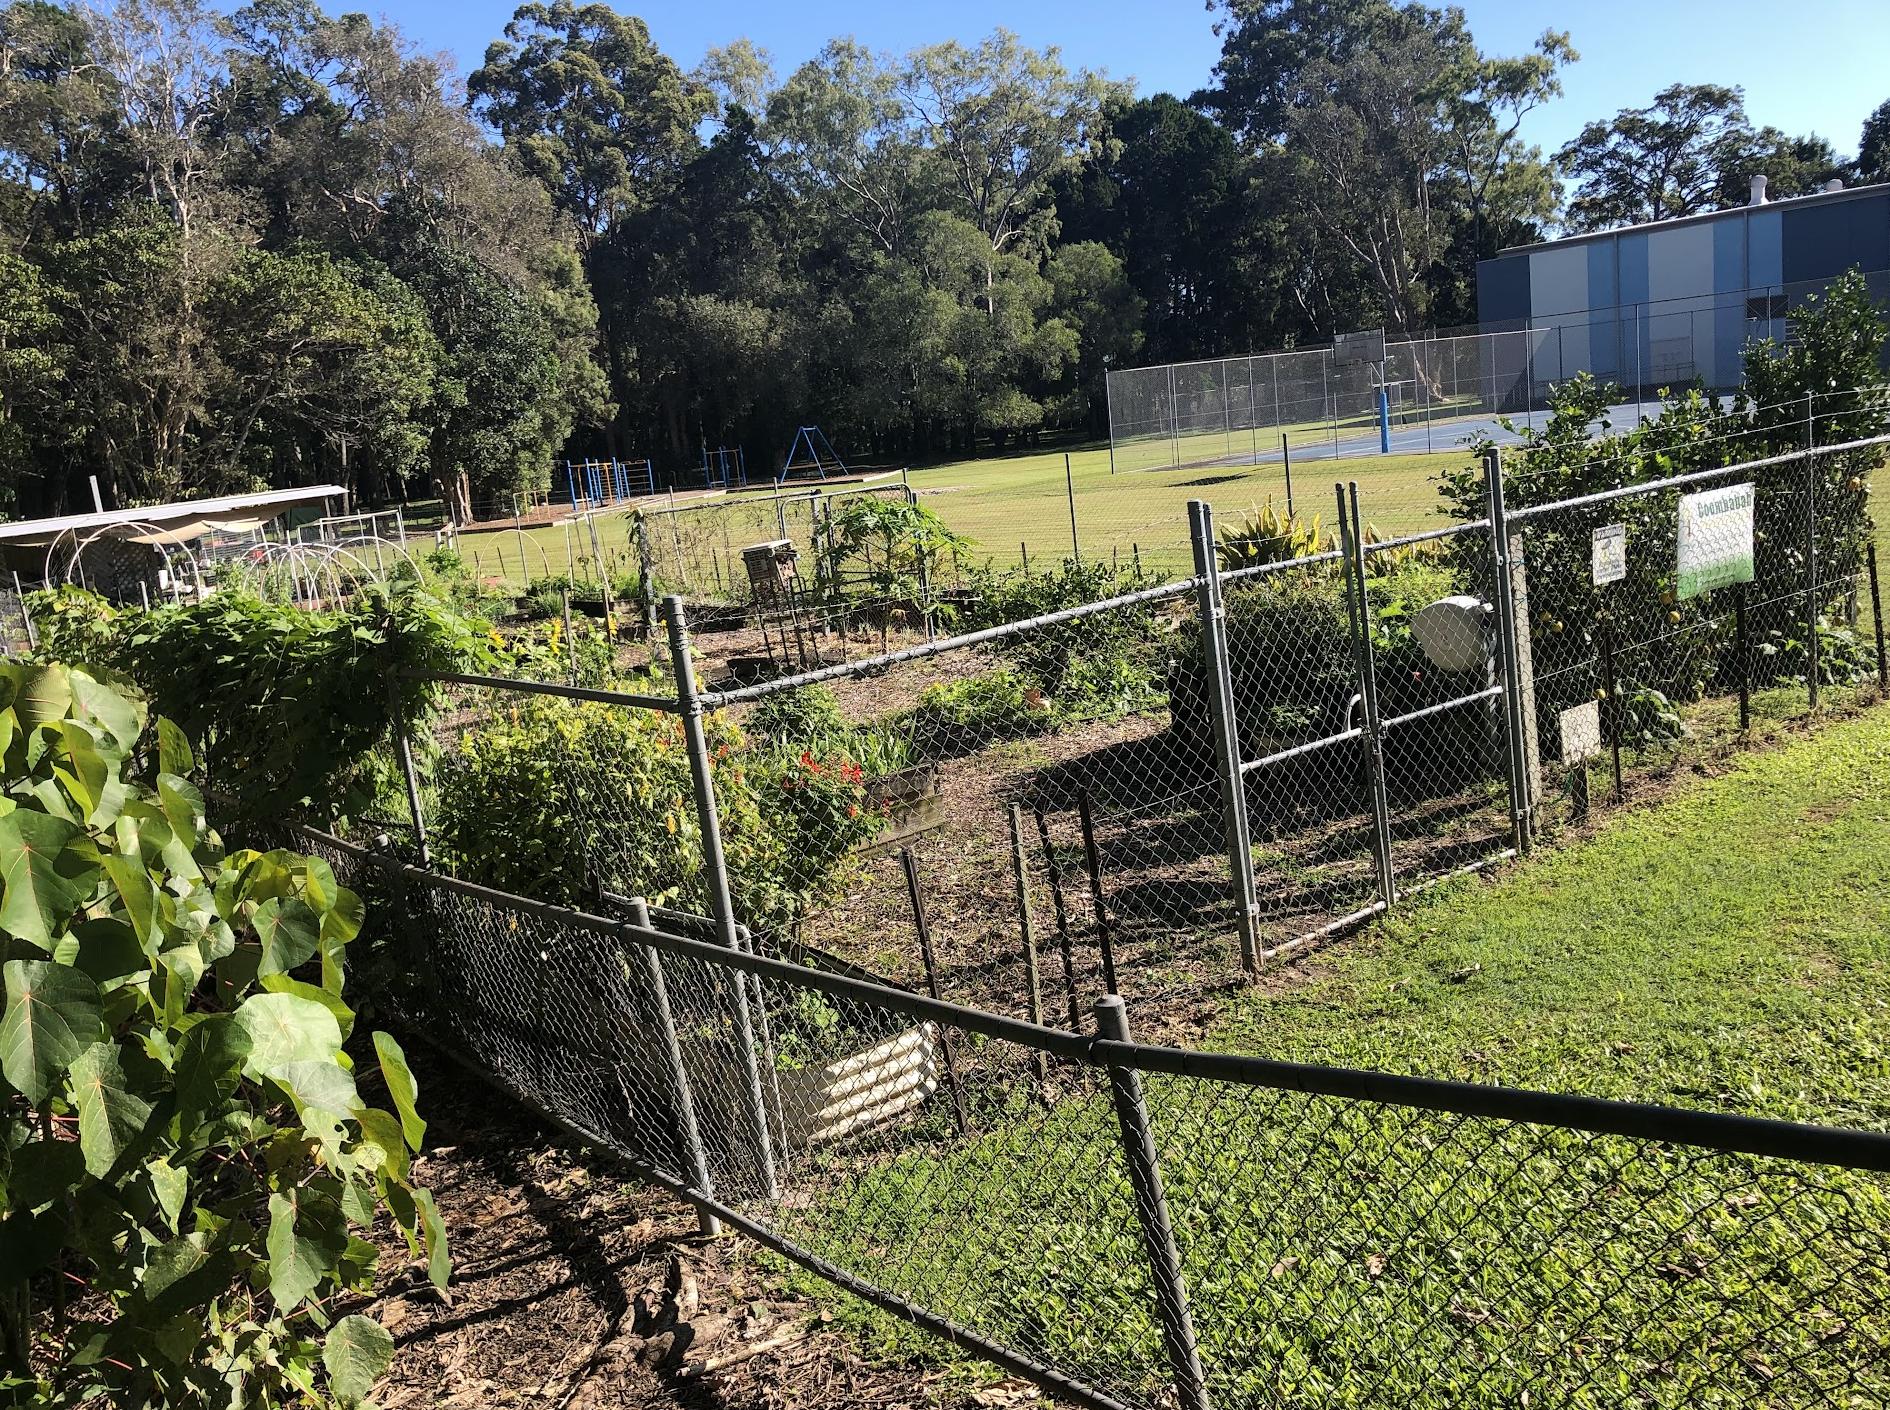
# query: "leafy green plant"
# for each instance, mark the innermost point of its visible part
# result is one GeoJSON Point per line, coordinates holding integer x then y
{"type": "Point", "coordinates": [188, 1169]}
{"type": "Point", "coordinates": [810, 718]}
{"type": "Point", "coordinates": [1647, 717]}
{"type": "Point", "coordinates": [1099, 666]}
{"type": "Point", "coordinates": [952, 716]}
{"type": "Point", "coordinates": [1269, 535]}
{"type": "Point", "coordinates": [555, 797]}
{"type": "Point", "coordinates": [809, 715]}
{"type": "Point", "coordinates": [543, 651]}
{"type": "Point", "coordinates": [893, 547]}
{"type": "Point", "coordinates": [294, 708]}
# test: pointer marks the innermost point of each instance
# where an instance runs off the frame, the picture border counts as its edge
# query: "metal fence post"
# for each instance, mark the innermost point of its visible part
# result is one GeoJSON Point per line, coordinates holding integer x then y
{"type": "Point", "coordinates": [696, 1162]}
{"type": "Point", "coordinates": [1220, 694]}
{"type": "Point", "coordinates": [32, 634]}
{"type": "Point", "coordinates": [1174, 418]}
{"type": "Point", "coordinates": [1151, 1210]}
{"type": "Point", "coordinates": [403, 749]}
{"type": "Point", "coordinates": [1513, 714]}
{"type": "Point", "coordinates": [1811, 556]}
{"type": "Point", "coordinates": [715, 873]}
{"type": "Point", "coordinates": [1069, 485]}
{"type": "Point", "coordinates": [1358, 612]}
{"type": "Point", "coordinates": [646, 571]}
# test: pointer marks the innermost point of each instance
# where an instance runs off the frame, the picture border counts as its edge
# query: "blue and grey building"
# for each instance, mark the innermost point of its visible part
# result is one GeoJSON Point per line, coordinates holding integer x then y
{"type": "Point", "coordinates": [1672, 303]}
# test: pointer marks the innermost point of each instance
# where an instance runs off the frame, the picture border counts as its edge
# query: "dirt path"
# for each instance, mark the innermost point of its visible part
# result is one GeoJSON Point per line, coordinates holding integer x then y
{"type": "Point", "coordinates": [577, 1288]}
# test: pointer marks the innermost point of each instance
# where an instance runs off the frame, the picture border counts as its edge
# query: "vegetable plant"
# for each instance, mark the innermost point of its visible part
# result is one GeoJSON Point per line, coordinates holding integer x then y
{"type": "Point", "coordinates": [189, 1165]}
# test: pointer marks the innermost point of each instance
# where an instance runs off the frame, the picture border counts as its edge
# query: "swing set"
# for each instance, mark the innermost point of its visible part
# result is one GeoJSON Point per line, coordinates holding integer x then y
{"type": "Point", "coordinates": [810, 451]}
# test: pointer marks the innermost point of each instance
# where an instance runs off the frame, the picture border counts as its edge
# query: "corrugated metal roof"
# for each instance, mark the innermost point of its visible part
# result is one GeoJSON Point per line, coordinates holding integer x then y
{"type": "Point", "coordinates": [1816, 197]}
{"type": "Point", "coordinates": [42, 529]}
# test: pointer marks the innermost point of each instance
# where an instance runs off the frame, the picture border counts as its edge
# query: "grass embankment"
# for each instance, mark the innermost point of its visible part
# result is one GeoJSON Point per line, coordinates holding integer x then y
{"type": "Point", "coordinates": [1727, 948]}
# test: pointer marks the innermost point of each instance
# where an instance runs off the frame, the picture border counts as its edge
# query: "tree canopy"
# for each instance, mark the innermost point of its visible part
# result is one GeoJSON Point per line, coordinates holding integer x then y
{"type": "Point", "coordinates": [274, 246]}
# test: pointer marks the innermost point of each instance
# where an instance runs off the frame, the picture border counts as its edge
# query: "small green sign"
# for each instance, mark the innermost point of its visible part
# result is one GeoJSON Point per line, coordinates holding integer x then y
{"type": "Point", "coordinates": [1715, 539]}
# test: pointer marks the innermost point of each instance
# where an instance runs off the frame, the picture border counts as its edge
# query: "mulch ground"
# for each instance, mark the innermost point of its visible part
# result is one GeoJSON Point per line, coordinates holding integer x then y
{"type": "Point", "coordinates": [575, 1287]}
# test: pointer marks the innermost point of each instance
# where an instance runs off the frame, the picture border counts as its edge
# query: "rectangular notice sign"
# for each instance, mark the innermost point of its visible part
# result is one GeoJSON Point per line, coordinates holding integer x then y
{"type": "Point", "coordinates": [1610, 554]}
{"type": "Point", "coordinates": [1715, 539]}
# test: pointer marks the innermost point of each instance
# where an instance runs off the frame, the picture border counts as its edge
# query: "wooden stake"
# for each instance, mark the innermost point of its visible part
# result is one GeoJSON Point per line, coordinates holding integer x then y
{"type": "Point", "coordinates": [1063, 920]}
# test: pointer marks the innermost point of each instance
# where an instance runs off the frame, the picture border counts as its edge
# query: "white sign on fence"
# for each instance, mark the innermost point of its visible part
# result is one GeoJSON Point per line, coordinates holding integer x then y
{"type": "Point", "coordinates": [1610, 554]}
{"type": "Point", "coordinates": [1581, 732]}
{"type": "Point", "coordinates": [1715, 539]}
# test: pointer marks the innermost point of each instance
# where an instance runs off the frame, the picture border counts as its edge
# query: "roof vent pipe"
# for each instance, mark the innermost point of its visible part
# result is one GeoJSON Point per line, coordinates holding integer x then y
{"type": "Point", "coordinates": [1833, 185]}
{"type": "Point", "coordinates": [1758, 190]}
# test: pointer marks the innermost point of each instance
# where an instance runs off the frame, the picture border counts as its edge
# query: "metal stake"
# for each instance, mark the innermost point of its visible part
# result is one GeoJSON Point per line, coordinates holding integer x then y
{"type": "Point", "coordinates": [1811, 563]}
{"type": "Point", "coordinates": [1876, 614]}
{"type": "Point", "coordinates": [695, 1161]}
{"type": "Point", "coordinates": [1151, 1210]}
{"type": "Point", "coordinates": [1220, 694]}
{"type": "Point", "coordinates": [1069, 485]}
{"type": "Point", "coordinates": [1094, 865]}
{"type": "Point", "coordinates": [1744, 648]}
{"type": "Point", "coordinates": [1358, 609]}
{"type": "Point", "coordinates": [916, 894]}
{"type": "Point", "coordinates": [715, 873]}
{"type": "Point", "coordinates": [1608, 687]}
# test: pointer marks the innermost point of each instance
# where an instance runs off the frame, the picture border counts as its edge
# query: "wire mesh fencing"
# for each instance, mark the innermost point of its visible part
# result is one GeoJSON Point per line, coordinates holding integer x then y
{"type": "Point", "coordinates": [1135, 1226]}
{"type": "Point", "coordinates": [1150, 791]}
{"type": "Point", "coordinates": [1311, 405]}
{"type": "Point", "coordinates": [1665, 622]}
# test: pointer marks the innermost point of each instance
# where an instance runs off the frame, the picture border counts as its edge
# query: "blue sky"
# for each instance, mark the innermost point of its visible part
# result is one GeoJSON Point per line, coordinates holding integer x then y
{"type": "Point", "coordinates": [1810, 65]}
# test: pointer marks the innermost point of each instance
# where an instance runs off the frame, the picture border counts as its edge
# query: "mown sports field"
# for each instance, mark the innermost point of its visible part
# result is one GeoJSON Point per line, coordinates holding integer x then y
{"type": "Point", "coordinates": [1013, 506]}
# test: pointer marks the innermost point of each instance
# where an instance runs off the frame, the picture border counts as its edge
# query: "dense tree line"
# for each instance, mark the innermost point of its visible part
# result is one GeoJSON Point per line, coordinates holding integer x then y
{"type": "Point", "coordinates": [278, 246]}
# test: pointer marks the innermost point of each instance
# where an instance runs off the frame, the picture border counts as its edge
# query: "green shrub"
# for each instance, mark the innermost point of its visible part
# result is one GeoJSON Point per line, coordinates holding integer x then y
{"type": "Point", "coordinates": [542, 651]}
{"type": "Point", "coordinates": [293, 707]}
{"type": "Point", "coordinates": [891, 547]}
{"type": "Point", "coordinates": [954, 716]}
{"type": "Point", "coordinates": [810, 718]}
{"type": "Point", "coordinates": [1100, 666]}
{"type": "Point", "coordinates": [809, 715]}
{"type": "Point", "coordinates": [552, 798]}
{"type": "Point", "coordinates": [185, 1156]}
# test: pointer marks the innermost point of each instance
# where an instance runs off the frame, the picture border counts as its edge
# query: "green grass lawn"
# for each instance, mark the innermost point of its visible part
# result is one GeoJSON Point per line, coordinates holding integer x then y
{"type": "Point", "coordinates": [1011, 506]}
{"type": "Point", "coordinates": [1727, 948]}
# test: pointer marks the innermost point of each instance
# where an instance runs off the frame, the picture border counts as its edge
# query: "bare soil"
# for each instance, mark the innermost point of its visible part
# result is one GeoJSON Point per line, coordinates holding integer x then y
{"type": "Point", "coordinates": [575, 1287]}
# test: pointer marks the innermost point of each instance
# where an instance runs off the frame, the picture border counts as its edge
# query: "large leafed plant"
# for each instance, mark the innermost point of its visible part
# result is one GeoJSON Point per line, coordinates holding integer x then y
{"type": "Point", "coordinates": [188, 1167]}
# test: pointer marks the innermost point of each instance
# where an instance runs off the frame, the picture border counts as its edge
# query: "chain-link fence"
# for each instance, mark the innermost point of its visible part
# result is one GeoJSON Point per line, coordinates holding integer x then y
{"type": "Point", "coordinates": [1134, 1226]}
{"type": "Point", "coordinates": [1665, 621]}
{"type": "Point", "coordinates": [1310, 406]}
{"type": "Point", "coordinates": [1106, 782]}
{"type": "Point", "coordinates": [1440, 386]}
